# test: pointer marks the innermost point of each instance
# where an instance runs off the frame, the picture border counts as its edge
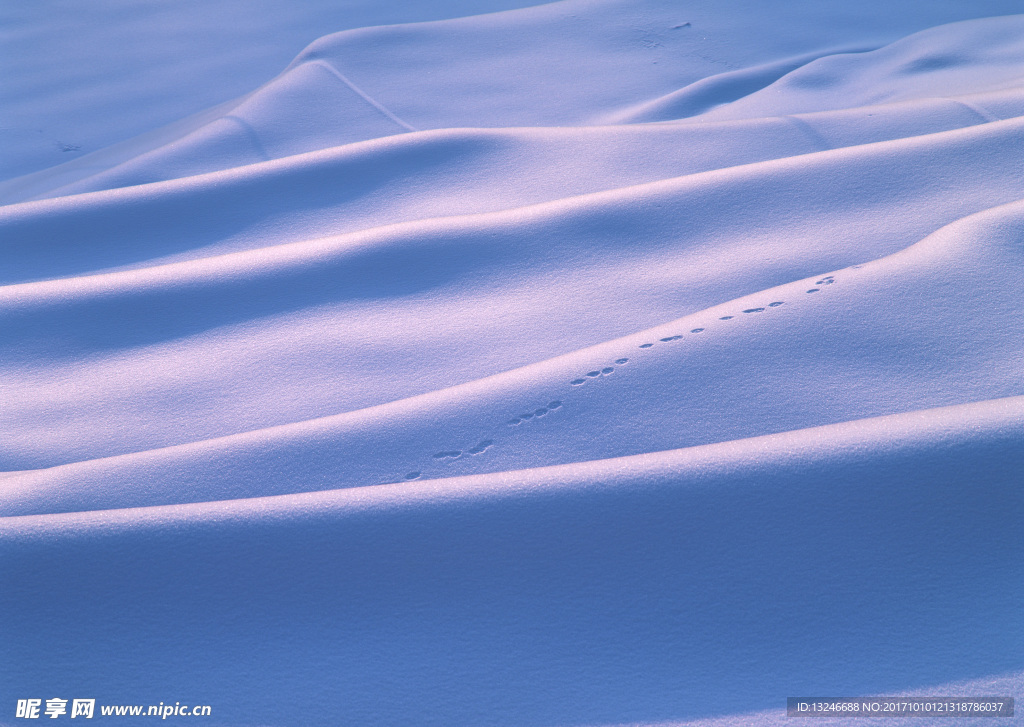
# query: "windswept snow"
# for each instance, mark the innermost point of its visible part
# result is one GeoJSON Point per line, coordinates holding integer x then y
{"type": "Point", "coordinates": [600, 362]}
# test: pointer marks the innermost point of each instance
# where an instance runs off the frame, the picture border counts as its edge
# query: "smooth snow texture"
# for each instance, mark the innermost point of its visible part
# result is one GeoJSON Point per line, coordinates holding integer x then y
{"type": "Point", "coordinates": [602, 362]}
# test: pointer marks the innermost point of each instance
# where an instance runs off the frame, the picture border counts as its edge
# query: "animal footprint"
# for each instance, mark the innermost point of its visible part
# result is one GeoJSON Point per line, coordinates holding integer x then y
{"type": "Point", "coordinates": [454, 454]}
{"type": "Point", "coordinates": [827, 280]}
{"type": "Point", "coordinates": [516, 421]}
{"type": "Point", "coordinates": [482, 447]}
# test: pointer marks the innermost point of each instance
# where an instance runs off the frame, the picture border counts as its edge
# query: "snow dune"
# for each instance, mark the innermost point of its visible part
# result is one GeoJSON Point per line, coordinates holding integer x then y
{"type": "Point", "coordinates": [592, 363]}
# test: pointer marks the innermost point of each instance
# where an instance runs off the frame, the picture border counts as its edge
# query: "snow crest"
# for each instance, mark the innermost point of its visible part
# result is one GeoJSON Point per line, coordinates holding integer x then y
{"type": "Point", "coordinates": [601, 362]}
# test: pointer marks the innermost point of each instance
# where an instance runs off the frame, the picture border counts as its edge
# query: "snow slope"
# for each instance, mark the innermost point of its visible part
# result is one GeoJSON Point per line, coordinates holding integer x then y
{"type": "Point", "coordinates": [601, 362]}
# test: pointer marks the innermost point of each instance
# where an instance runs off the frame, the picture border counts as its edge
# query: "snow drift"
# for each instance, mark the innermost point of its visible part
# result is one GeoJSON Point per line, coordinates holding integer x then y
{"type": "Point", "coordinates": [592, 363]}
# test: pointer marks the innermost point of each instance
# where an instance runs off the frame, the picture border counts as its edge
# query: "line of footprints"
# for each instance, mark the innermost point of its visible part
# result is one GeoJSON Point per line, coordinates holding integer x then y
{"type": "Point", "coordinates": [552, 406]}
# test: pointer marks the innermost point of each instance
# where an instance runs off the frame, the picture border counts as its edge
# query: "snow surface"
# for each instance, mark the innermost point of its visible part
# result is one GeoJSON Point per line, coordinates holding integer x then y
{"type": "Point", "coordinates": [601, 362]}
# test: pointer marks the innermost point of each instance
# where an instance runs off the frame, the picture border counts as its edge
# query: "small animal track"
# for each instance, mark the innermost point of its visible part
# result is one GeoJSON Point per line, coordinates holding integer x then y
{"type": "Point", "coordinates": [482, 447]}
{"type": "Point", "coordinates": [827, 280]}
{"type": "Point", "coordinates": [448, 456]}
{"type": "Point", "coordinates": [539, 412]}
{"type": "Point", "coordinates": [609, 370]}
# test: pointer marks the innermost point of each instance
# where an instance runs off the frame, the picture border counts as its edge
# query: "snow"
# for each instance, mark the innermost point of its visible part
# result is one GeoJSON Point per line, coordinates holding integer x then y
{"type": "Point", "coordinates": [600, 362]}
